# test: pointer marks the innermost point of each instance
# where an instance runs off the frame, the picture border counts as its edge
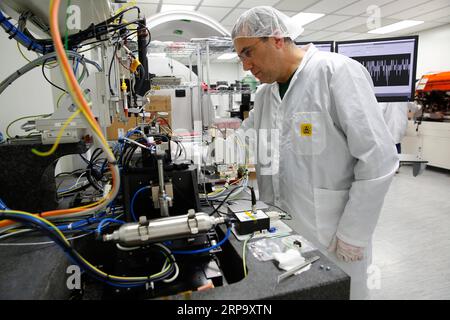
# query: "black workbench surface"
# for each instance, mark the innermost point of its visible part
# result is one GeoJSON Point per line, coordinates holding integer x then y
{"type": "Point", "coordinates": [261, 281]}
{"type": "Point", "coordinates": [40, 273]}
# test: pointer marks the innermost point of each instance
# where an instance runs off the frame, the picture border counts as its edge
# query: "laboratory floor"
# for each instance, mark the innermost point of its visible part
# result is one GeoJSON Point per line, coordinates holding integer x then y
{"type": "Point", "coordinates": [411, 245]}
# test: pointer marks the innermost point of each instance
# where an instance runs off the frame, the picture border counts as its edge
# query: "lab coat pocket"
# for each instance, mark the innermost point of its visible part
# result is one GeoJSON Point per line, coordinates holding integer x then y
{"type": "Point", "coordinates": [329, 206]}
{"type": "Point", "coordinates": [308, 133]}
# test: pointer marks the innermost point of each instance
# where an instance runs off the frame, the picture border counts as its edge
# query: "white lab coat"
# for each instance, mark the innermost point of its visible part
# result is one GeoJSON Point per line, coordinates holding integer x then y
{"type": "Point", "coordinates": [396, 116]}
{"type": "Point", "coordinates": [333, 181]}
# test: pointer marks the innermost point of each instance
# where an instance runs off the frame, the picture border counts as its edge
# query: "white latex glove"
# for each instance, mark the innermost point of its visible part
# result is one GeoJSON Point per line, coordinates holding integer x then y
{"type": "Point", "coordinates": [346, 252]}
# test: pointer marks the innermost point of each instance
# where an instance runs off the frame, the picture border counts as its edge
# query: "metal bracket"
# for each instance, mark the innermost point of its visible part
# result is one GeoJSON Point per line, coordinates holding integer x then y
{"type": "Point", "coordinates": [192, 222]}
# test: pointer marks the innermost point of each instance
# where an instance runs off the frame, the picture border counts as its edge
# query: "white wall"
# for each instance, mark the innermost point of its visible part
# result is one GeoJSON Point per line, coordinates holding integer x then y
{"type": "Point", "coordinates": [30, 95]}
{"type": "Point", "coordinates": [434, 50]}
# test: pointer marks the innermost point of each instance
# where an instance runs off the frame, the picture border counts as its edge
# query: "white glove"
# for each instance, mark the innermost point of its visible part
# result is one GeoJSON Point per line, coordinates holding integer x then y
{"type": "Point", "coordinates": [346, 252]}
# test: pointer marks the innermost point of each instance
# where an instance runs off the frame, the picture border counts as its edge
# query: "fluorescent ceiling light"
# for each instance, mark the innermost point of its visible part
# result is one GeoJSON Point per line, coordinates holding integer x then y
{"type": "Point", "coordinates": [304, 18]}
{"type": "Point", "coordinates": [227, 56]}
{"type": "Point", "coordinates": [175, 7]}
{"type": "Point", "coordinates": [396, 26]}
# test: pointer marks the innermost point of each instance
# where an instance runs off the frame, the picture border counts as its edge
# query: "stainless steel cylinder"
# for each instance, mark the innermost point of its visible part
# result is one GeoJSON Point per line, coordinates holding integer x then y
{"type": "Point", "coordinates": [171, 228]}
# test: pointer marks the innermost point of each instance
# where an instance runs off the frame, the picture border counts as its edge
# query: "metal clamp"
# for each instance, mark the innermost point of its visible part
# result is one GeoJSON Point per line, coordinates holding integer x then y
{"type": "Point", "coordinates": [192, 221]}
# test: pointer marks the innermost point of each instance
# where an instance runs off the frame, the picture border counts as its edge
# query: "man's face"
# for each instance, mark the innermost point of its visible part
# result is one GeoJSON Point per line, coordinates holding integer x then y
{"type": "Point", "coordinates": [259, 57]}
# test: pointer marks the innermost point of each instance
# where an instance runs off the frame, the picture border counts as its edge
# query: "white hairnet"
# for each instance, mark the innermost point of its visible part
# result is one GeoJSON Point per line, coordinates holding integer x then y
{"type": "Point", "coordinates": [265, 21]}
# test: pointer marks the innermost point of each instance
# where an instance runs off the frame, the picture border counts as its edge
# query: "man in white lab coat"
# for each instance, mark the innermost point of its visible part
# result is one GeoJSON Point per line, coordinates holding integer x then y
{"type": "Point", "coordinates": [335, 158]}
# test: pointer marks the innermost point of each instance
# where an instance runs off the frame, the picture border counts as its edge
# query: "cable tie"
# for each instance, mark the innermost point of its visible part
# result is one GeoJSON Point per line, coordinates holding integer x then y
{"type": "Point", "coordinates": [150, 284]}
{"type": "Point", "coordinates": [10, 28]}
{"type": "Point", "coordinates": [14, 34]}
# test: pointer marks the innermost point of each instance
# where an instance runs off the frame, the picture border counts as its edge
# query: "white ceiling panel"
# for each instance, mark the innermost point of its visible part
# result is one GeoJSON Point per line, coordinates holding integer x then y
{"type": "Point", "coordinates": [348, 24]}
{"type": "Point", "coordinates": [364, 28]}
{"type": "Point", "coordinates": [289, 13]}
{"type": "Point", "coordinates": [231, 19]}
{"type": "Point", "coordinates": [343, 36]}
{"type": "Point", "coordinates": [138, 3]}
{"type": "Point", "coordinates": [329, 6]}
{"type": "Point", "coordinates": [320, 35]}
{"type": "Point", "coordinates": [181, 2]}
{"type": "Point", "coordinates": [220, 3]}
{"type": "Point", "coordinates": [326, 21]}
{"type": "Point", "coordinates": [216, 13]}
{"type": "Point", "coordinates": [435, 15]}
{"type": "Point", "coordinates": [421, 9]}
{"type": "Point", "coordinates": [361, 7]}
{"type": "Point", "coordinates": [399, 6]}
{"type": "Point", "coordinates": [254, 3]}
{"type": "Point", "coordinates": [295, 5]}
{"type": "Point", "coordinates": [364, 36]}
{"type": "Point", "coordinates": [307, 32]}
{"type": "Point", "coordinates": [446, 20]}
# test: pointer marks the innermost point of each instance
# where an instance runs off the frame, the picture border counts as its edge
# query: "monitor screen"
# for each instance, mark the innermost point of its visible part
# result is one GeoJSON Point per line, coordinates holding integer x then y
{"type": "Point", "coordinates": [390, 62]}
{"type": "Point", "coordinates": [327, 46]}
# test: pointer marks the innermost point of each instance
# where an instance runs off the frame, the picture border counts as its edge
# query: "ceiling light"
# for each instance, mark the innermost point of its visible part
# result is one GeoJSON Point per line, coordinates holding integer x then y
{"type": "Point", "coordinates": [175, 7]}
{"type": "Point", "coordinates": [227, 56]}
{"type": "Point", "coordinates": [396, 26]}
{"type": "Point", "coordinates": [304, 18]}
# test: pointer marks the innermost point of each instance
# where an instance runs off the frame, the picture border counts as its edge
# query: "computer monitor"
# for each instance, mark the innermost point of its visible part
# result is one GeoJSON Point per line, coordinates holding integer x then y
{"type": "Point", "coordinates": [327, 46]}
{"type": "Point", "coordinates": [391, 62]}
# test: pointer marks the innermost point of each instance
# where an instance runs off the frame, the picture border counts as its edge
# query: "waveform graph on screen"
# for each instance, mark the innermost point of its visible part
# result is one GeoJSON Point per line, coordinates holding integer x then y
{"type": "Point", "coordinates": [388, 70]}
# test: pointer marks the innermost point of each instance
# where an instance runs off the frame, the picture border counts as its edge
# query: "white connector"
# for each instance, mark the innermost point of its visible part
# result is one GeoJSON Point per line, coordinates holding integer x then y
{"type": "Point", "coordinates": [274, 215]}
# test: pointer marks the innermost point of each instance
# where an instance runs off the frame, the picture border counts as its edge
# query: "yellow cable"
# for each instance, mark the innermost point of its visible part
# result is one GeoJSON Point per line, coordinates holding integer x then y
{"type": "Point", "coordinates": [84, 260]}
{"type": "Point", "coordinates": [124, 7]}
{"type": "Point", "coordinates": [78, 98]}
{"type": "Point", "coordinates": [58, 138]}
{"type": "Point", "coordinates": [23, 55]}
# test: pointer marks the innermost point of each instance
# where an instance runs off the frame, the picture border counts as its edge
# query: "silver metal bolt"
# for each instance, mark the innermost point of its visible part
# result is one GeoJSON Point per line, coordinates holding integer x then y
{"type": "Point", "coordinates": [321, 266]}
{"type": "Point", "coordinates": [328, 268]}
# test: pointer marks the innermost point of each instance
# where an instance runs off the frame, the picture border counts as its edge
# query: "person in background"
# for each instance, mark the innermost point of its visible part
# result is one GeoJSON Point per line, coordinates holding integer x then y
{"type": "Point", "coordinates": [335, 159]}
{"type": "Point", "coordinates": [395, 115]}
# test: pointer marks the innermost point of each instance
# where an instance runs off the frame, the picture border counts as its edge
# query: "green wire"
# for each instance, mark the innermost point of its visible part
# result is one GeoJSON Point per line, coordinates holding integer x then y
{"type": "Point", "coordinates": [24, 118]}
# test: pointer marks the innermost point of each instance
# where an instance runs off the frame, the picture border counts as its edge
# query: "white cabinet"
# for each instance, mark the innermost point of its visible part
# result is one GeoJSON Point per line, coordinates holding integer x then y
{"type": "Point", "coordinates": [431, 142]}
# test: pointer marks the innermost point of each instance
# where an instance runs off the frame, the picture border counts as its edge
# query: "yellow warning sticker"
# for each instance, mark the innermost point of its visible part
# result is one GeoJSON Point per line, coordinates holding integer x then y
{"type": "Point", "coordinates": [306, 129]}
{"type": "Point", "coordinates": [250, 215]}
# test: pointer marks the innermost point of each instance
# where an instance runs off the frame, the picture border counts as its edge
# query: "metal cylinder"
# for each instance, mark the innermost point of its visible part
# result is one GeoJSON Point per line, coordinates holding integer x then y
{"type": "Point", "coordinates": [161, 175]}
{"type": "Point", "coordinates": [164, 204]}
{"type": "Point", "coordinates": [171, 228]}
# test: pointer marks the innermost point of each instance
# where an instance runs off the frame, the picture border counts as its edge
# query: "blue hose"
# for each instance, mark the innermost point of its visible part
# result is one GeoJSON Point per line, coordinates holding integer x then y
{"type": "Point", "coordinates": [205, 249]}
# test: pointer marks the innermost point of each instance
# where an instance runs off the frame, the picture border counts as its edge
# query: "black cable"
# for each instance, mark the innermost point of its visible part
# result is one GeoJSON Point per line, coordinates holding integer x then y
{"type": "Point", "coordinates": [48, 80]}
{"type": "Point", "coordinates": [121, 14]}
{"type": "Point", "coordinates": [224, 200]}
{"type": "Point", "coordinates": [93, 181]}
{"type": "Point", "coordinates": [110, 69]}
{"type": "Point", "coordinates": [69, 173]}
{"type": "Point", "coordinates": [76, 257]}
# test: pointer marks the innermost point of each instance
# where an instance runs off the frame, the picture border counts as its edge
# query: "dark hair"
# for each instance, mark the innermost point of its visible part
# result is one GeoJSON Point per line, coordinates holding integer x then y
{"type": "Point", "coordinates": [286, 40]}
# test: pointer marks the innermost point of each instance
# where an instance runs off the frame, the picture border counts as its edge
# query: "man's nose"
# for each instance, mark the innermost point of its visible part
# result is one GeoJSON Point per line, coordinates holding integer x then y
{"type": "Point", "coordinates": [247, 65]}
